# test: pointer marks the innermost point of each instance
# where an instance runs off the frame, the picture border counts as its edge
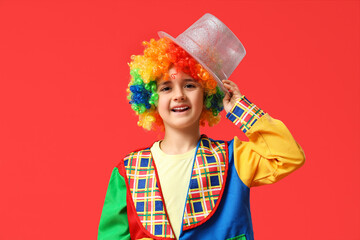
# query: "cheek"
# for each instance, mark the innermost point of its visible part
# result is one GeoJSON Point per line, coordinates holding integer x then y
{"type": "Point", "coordinates": [200, 101]}
{"type": "Point", "coordinates": [162, 104]}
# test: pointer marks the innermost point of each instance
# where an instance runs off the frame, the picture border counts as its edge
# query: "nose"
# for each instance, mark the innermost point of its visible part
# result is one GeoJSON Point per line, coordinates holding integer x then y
{"type": "Point", "coordinates": [179, 94]}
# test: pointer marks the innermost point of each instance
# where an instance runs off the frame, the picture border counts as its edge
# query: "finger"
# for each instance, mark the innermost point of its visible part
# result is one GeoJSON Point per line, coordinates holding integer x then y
{"type": "Point", "coordinates": [227, 97]}
{"type": "Point", "coordinates": [226, 85]}
{"type": "Point", "coordinates": [232, 88]}
{"type": "Point", "coordinates": [231, 83]}
{"type": "Point", "coordinates": [227, 82]}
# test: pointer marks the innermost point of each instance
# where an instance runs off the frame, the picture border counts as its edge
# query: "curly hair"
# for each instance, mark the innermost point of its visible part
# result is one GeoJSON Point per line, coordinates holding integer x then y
{"type": "Point", "coordinates": [154, 64]}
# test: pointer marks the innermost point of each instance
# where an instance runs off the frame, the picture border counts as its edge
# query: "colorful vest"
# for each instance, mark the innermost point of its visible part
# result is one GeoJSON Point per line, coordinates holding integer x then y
{"type": "Point", "coordinates": [204, 194]}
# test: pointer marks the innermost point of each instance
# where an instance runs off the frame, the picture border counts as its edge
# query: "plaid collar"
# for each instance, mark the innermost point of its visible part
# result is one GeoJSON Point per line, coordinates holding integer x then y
{"type": "Point", "coordinates": [205, 189]}
{"type": "Point", "coordinates": [207, 182]}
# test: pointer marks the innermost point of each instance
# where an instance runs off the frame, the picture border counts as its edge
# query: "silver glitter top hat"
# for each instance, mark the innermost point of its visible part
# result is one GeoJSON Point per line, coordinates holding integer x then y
{"type": "Point", "coordinates": [213, 45]}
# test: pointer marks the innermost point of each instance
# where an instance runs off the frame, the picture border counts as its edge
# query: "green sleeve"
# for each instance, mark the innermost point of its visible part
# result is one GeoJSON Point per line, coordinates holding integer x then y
{"type": "Point", "coordinates": [114, 222]}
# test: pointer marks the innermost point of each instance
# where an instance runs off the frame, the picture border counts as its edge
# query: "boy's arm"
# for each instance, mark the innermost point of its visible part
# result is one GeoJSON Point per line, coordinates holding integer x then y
{"type": "Point", "coordinates": [271, 152]}
{"type": "Point", "coordinates": [114, 222]}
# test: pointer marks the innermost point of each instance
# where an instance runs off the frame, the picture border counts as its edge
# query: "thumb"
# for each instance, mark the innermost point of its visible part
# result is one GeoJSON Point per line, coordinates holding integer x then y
{"type": "Point", "coordinates": [226, 98]}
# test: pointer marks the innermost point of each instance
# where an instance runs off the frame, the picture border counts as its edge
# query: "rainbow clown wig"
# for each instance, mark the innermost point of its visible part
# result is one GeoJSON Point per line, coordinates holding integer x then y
{"type": "Point", "coordinates": [146, 69]}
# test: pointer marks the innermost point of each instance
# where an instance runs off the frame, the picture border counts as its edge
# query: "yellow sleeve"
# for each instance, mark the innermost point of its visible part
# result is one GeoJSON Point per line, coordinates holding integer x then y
{"type": "Point", "coordinates": [271, 152]}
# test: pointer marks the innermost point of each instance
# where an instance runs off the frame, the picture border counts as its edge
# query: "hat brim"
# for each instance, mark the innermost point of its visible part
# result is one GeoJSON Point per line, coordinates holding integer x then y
{"type": "Point", "coordinates": [219, 83]}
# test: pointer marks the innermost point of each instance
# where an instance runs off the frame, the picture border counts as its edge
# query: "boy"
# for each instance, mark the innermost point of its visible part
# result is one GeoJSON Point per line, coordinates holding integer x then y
{"type": "Point", "coordinates": [188, 186]}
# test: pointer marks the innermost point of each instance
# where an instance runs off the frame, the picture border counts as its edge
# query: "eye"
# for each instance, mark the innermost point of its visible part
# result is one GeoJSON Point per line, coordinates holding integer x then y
{"type": "Point", "coordinates": [164, 89]}
{"type": "Point", "coordinates": [190, 85]}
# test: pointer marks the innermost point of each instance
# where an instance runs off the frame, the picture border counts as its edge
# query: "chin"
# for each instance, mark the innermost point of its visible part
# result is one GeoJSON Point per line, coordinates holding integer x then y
{"type": "Point", "coordinates": [182, 124]}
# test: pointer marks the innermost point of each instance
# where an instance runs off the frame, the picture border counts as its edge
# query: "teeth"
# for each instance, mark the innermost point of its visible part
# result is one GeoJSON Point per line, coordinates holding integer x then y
{"type": "Point", "coordinates": [180, 108]}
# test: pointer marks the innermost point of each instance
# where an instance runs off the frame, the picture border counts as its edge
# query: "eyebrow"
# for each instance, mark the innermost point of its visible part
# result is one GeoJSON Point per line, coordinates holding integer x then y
{"type": "Point", "coordinates": [169, 81]}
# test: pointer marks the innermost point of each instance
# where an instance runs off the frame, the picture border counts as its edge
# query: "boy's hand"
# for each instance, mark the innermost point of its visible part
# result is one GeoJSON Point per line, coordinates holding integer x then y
{"type": "Point", "coordinates": [230, 100]}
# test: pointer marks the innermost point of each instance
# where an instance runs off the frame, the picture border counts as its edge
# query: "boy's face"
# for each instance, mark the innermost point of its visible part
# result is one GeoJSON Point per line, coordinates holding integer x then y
{"type": "Point", "coordinates": [180, 100]}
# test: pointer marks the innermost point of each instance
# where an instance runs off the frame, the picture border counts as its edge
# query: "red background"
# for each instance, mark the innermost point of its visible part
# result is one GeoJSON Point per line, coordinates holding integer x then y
{"type": "Point", "coordinates": [65, 121]}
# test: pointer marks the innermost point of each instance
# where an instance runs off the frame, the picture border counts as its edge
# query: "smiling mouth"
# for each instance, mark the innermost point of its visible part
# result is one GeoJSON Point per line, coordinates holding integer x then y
{"type": "Point", "coordinates": [180, 109]}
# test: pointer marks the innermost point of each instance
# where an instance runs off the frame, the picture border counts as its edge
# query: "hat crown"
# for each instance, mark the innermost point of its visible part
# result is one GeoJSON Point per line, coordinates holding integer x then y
{"type": "Point", "coordinates": [213, 45]}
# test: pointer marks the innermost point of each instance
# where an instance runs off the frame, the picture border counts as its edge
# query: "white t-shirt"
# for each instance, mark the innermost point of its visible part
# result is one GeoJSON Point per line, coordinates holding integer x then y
{"type": "Point", "coordinates": [174, 174]}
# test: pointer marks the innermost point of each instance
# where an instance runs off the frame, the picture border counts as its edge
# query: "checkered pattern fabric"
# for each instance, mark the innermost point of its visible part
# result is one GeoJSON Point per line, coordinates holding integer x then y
{"type": "Point", "coordinates": [145, 193]}
{"type": "Point", "coordinates": [244, 114]}
{"type": "Point", "coordinates": [206, 182]}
